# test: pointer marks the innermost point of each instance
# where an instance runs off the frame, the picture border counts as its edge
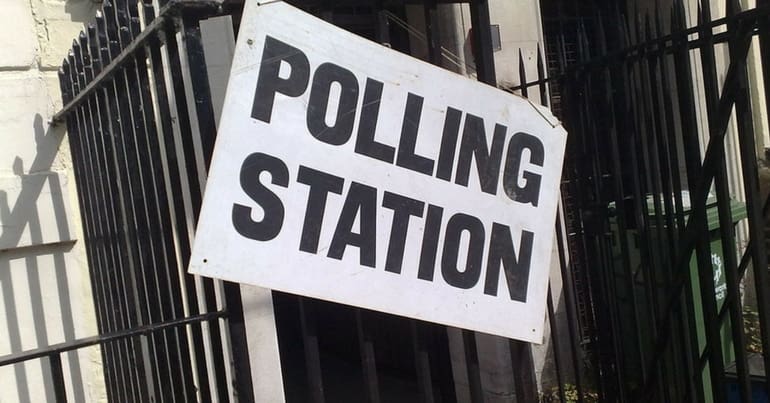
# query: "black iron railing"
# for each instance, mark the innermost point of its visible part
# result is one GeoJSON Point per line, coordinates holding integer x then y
{"type": "Point", "coordinates": [634, 315]}
{"type": "Point", "coordinates": [629, 102]}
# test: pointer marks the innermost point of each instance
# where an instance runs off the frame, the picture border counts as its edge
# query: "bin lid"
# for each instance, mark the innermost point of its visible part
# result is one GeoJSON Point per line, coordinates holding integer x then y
{"type": "Point", "coordinates": [756, 366]}
{"type": "Point", "coordinates": [737, 208]}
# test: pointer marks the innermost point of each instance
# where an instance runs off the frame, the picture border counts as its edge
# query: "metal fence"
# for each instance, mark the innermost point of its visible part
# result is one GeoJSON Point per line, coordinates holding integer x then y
{"type": "Point", "coordinates": [139, 112]}
{"type": "Point", "coordinates": [650, 115]}
{"type": "Point", "coordinates": [639, 316]}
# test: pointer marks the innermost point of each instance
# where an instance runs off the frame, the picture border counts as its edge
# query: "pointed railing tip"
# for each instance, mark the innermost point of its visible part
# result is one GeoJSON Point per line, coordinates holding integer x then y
{"type": "Point", "coordinates": [108, 9]}
{"type": "Point", "coordinates": [674, 19]}
{"type": "Point", "coordinates": [700, 14]}
{"type": "Point", "coordinates": [658, 21]}
{"type": "Point", "coordinates": [647, 27]}
{"type": "Point", "coordinates": [539, 58]}
{"type": "Point", "coordinates": [681, 15]}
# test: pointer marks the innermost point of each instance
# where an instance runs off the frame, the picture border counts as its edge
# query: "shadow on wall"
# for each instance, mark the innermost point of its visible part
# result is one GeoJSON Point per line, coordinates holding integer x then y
{"type": "Point", "coordinates": [35, 282]}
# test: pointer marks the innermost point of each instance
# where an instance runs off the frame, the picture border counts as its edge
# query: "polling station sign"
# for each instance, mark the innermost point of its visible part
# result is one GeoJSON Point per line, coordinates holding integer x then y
{"type": "Point", "coordinates": [352, 173]}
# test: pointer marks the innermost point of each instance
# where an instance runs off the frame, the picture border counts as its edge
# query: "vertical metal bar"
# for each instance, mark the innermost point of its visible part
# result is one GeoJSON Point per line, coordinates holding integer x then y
{"type": "Point", "coordinates": [702, 182]}
{"type": "Point", "coordinates": [421, 361]}
{"type": "Point", "coordinates": [485, 72]}
{"type": "Point", "coordinates": [753, 203]}
{"type": "Point", "coordinates": [115, 187]}
{"type": "Point", "coordinates": [419, 331]}
{"type": "Point", "coordinates": [472, 364]}
{"type": "Point", "coordinates": [383, 24]}
{"type": "Point", "coordinates": [524, 381]}
{"type": "Point", "coordinates": [482, 42]}
{"type": "Point", "coordinates": [571, 88]}
{"type": "Point", "coordinates": [726, 223]}
{"type": "Point", "coordinates": [598, 287]}
{"type": "Point", "coordinates": [541, 78]}
{"type": "Point", "coordinates": [203, 145]}
{"type": "Point", "coordinates": [96, 62]}
{"type": "Point", "coordinates": [689, 128]}
{"type": "Point", "coordinates": [560, 226]}
{"type": "Point", "coordinates": [662, 206]}
{"type": "Point", "coordinates": [642, 187]}
{"type": "Point", "coordinates": [191, 170]}
{"type": "Point", "coordinates": [445, 377]}
{"type": "Point", "coordinates": [759, 260]}
{"type": "Point", "coordinates": [432, 32]}
{"type": "Point", "coordinates": [614, 116]}
{"type": "Point", "coordinates": [121, 320]}
{"type": "Point", "coordinates": [116, 317]}
{"type": "Point", "coordinates": [308, 325]}
{"type": "Point", "coordinates": [706, 276]}
{"type": "Point", "coordinates": [569, 303]}
{"type": "Point", "coordinates": [159, 219]}
{"type": "Point", "coordinates": [639, 152]}
{"type": "Point", "coordinates": [57, 378]}
{"type": "Point", "coordinates": [670, 139]}
{"type": "Point", "coordinates": [672, 147]}
{"type": "Point", "coordinates": [102, 208]}
{"type": "Point", "coordinates": [76, 136]}
{"type": "Point", "coordinates": [675, 213]}
{"type": "Point", "coordinates": [667, 145]}
{"type": "Point", "coordinates": [555, 345]}
{"type": "Point", "coordinates": [137, 240]}
{"type": "Point", "coordinates": [555, 337]}
{"type": "Point", "coordinates": [193, 47]}
{"type": "Point", "coordinates": [368, 360]}
{"type": "Point", "coordinates": [168, 197]}
{"type": "Point", "coordinates": [523, 76]}
{"type": "Point", "coordinates": [171, 207]}
{"type": "Point", "coordinates": [241, 365]}
{"type": "Point", "coordinates": [190, 190]}
{"type": "Point", "coordinates": [147, 232]}
{"type": "Point", "coordinates": [183, 152]}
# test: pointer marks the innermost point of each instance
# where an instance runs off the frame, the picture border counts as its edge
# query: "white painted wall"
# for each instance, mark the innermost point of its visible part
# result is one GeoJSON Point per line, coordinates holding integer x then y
{"type": "Point", "coordinates": [45, 293]}
{"type": "Point", "coordinates": [520, 30]}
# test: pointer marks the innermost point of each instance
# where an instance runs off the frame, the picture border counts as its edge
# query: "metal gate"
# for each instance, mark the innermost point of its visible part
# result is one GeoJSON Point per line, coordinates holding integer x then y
{"type": "Point", "coordinates": [636, 316]}
{"type": "Point", "coordinates": [661, 143]}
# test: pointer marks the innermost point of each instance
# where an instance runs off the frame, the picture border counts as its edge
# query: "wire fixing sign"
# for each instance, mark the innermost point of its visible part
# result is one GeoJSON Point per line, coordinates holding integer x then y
{"type": "Point", "coordinates": [349, 172]}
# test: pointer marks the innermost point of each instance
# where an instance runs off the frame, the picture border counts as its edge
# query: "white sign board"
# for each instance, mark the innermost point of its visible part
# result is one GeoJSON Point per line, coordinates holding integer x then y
{"type": "Point", "coordinates": [352, 173]}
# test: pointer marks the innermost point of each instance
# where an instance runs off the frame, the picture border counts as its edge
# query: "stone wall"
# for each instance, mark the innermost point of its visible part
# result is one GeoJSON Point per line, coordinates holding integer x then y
{"type": "Point", "coordinates": [45, 292]}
